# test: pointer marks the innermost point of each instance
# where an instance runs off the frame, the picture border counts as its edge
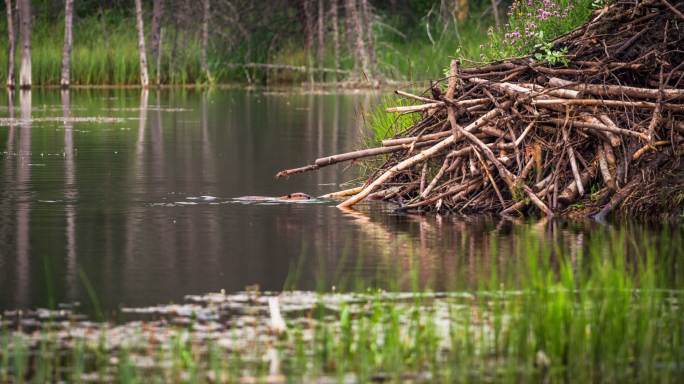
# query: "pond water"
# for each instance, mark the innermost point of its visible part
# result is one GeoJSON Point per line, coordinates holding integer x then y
{"type": "Point", "coordinates": [117, 198]}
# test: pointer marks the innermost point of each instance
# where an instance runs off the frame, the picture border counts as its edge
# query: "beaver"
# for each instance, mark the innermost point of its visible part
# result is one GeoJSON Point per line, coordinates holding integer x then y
{"type": "Point", "coordinates": [297, 196]}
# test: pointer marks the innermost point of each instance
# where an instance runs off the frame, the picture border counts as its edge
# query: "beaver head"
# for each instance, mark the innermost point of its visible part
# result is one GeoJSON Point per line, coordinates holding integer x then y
{"type": "Point", "coordinates": [296, 196]}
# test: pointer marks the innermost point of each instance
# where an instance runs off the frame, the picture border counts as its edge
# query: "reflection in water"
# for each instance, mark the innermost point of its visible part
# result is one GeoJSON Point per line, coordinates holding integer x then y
{"type": "Point", "coordinates": [143, 205]}
{"type": "Point", "coordinates": [23, 196]}
{"type": "Point", "coordinates": [70, 198]}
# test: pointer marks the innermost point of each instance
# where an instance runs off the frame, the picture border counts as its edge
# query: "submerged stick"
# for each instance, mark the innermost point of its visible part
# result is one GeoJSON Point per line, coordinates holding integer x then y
{"type": "Point", "coordinates": [342, 193]}
{"type": "Point", "coordinates": [294, 171]}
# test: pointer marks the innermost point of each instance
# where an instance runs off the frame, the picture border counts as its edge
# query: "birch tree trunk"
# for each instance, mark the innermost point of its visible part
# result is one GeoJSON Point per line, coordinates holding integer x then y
{"type": "Point", "coordinates": [335, 36]}
{"type": "Point", "coordinates": [11, 44]}
{"type": "Point", "coordinates": [320, 51]}
{"type": "Point", "coordinates": [144, 77]}
{"type": "Point", "coordinates": [25, 31]}
{"type": "Point", "coordinates": [205, 40]}
{"type": "Point", "coordinates": [155, 37]}
{"type": "Point", "coordinates": [357, 32]}
{"type": "Point", "coordinates": [68, 42]}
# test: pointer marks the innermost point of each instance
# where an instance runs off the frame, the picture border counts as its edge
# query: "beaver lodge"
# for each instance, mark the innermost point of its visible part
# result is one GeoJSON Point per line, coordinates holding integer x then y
{"type": "Point", "coordinates": [602, 134]}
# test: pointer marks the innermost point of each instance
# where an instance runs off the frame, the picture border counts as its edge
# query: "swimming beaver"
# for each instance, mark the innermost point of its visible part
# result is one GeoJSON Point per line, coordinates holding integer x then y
{"type": "Point", "coordinates": [297, 196]}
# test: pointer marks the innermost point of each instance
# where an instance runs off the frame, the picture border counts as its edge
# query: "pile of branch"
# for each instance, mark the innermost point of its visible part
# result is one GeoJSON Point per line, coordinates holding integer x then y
{"type": "Point", "coordinates": [520, 136]}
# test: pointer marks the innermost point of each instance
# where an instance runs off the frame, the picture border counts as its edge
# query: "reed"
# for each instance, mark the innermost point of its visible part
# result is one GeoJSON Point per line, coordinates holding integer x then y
{"type": "Point", "coordinates": [609, 310]}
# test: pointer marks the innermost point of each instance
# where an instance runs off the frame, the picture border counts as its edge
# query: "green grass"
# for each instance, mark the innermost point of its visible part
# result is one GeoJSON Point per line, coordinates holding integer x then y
{"type": "Point", "coordinates": [608, 311]}
{"type": "Point", "coordinates": [105, 53]}
{"type": "Point", "coordinates": [105, 48]}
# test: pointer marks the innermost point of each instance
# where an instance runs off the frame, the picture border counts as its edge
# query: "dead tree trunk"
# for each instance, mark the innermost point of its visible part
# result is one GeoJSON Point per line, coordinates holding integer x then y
{"type": "Point", "coordinates": [11, 44]}
{"type": "Point", "coordinates": [155, 30]}
{"type": "Point", "coordinates": [367, 18]}
{"type": "Point", "coordinates": [320, 51]}
{"type": "Point", "coordinates": [308, 36]}
{"type": "Point", "coordinates": [460, 10]}
{"type": "Point", "coordinates": [144, 77]}
{"type": "Point", "coordinates": [159, 56]}
{"type": "Point", "coordinates": [68, 42]}
{"type": "Point", "coordinates": [357, 33]}
{"type": "Point", "coordinates": [205, 40]}
{"type": "Point", "coordinates": [25, 31]}
{"type": "Point", "coordinates": [495, 10]}
{"type": "Point", "coordinates": [335, 37]}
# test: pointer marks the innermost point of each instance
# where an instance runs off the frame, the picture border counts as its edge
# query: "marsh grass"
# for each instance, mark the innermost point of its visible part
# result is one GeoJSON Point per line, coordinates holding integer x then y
{"type": "Point", "coordinates": [105, 53]}
{"type": "Point", "coordinates": [597, 313]}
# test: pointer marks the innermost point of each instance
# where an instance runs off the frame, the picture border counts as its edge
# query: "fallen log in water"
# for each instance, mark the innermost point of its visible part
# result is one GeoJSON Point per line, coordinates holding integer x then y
{"type": "Point", "coordinates": [604, 133]}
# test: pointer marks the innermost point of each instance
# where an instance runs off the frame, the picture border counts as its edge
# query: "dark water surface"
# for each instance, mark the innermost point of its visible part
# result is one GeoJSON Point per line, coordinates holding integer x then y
{"type": "Point", "coordinates": [132, 195]}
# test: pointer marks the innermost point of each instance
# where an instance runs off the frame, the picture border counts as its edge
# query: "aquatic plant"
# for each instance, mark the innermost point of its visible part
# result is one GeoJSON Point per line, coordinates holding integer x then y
{"type": "Point", "coordinates": [598, 313]}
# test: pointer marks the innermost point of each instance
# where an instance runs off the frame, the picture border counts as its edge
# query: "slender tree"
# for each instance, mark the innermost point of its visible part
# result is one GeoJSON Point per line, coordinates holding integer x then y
{"type": "Point", "coordinates": [308, 35]}
{"type": "Point", "coordinates": [68, 42]}
{"type": "Point", "coordinates": [144, 77]}
{"type": "Point", "coordinates": [368, 29]}
{"type": "Point", "coordinates": [357, 33]}
{"type": "Point", "coordinates": [320, 50]}
{"type": "Point", "coordinates": [155, 29]}
{"type": "Point", "coordinates": [335, 36]}
{"type": "Point", "coordinates": [495, 10]}
{"type": "Point", "coordinates": [205, 39]}
{"type": "Point", "coordinates": [159, 56]}
{"type": "Point", "coordinates": [11, 44]}
{"type": "Point", "coordinates": [25, 31]}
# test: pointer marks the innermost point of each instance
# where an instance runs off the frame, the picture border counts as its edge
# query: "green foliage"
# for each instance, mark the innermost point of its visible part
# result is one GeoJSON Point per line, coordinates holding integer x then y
{"type": "Point", "coordinates": [547, 54]}
{"type": "Point", "coordinates": [532, 24]}
{"type": "Point", "coordinates": [384, 125]}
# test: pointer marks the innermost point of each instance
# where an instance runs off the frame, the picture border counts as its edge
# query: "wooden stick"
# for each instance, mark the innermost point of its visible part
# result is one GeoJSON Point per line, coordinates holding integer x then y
{"type": "Point", "coordinates": [558, 92]}
{"type": "Point", "coordinates": [612, 138]}
{"type": "Point", "coordinates": [409, 140]}
{"type": "Point", "coordinates": [451, 90]}
{"type": "Point", "coordinates": [617, 90]}
{"type": "Point", "coordinates": [571, 157]}
{"type": "Point", "coordinates": [342, 193]}
{"type": "Point", "coordinates": [435, 179]}
{"type": "Point", "coordinates": [605, 172]}
{"type": "Point", "coordinates": [413, 160]}
{"type": "Point", "coordinates": [414, 108]}
{"type": "Point", "coordinates": [601, 127]}
{"type": "Point", "coordinates": [607, 103]}
{"type": "Point", "coordinates": [505, 174]}
{"type": "Point", "coordinates": [416, 97]}
{"type": "Point", "coordinates": [648, 147]}
{"type": "Point", "coordinates": [294, 171]}
{"type": "Point", "coordinates": [329, 160]}
{"type": "Point", "coordinates": [675, 10]}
